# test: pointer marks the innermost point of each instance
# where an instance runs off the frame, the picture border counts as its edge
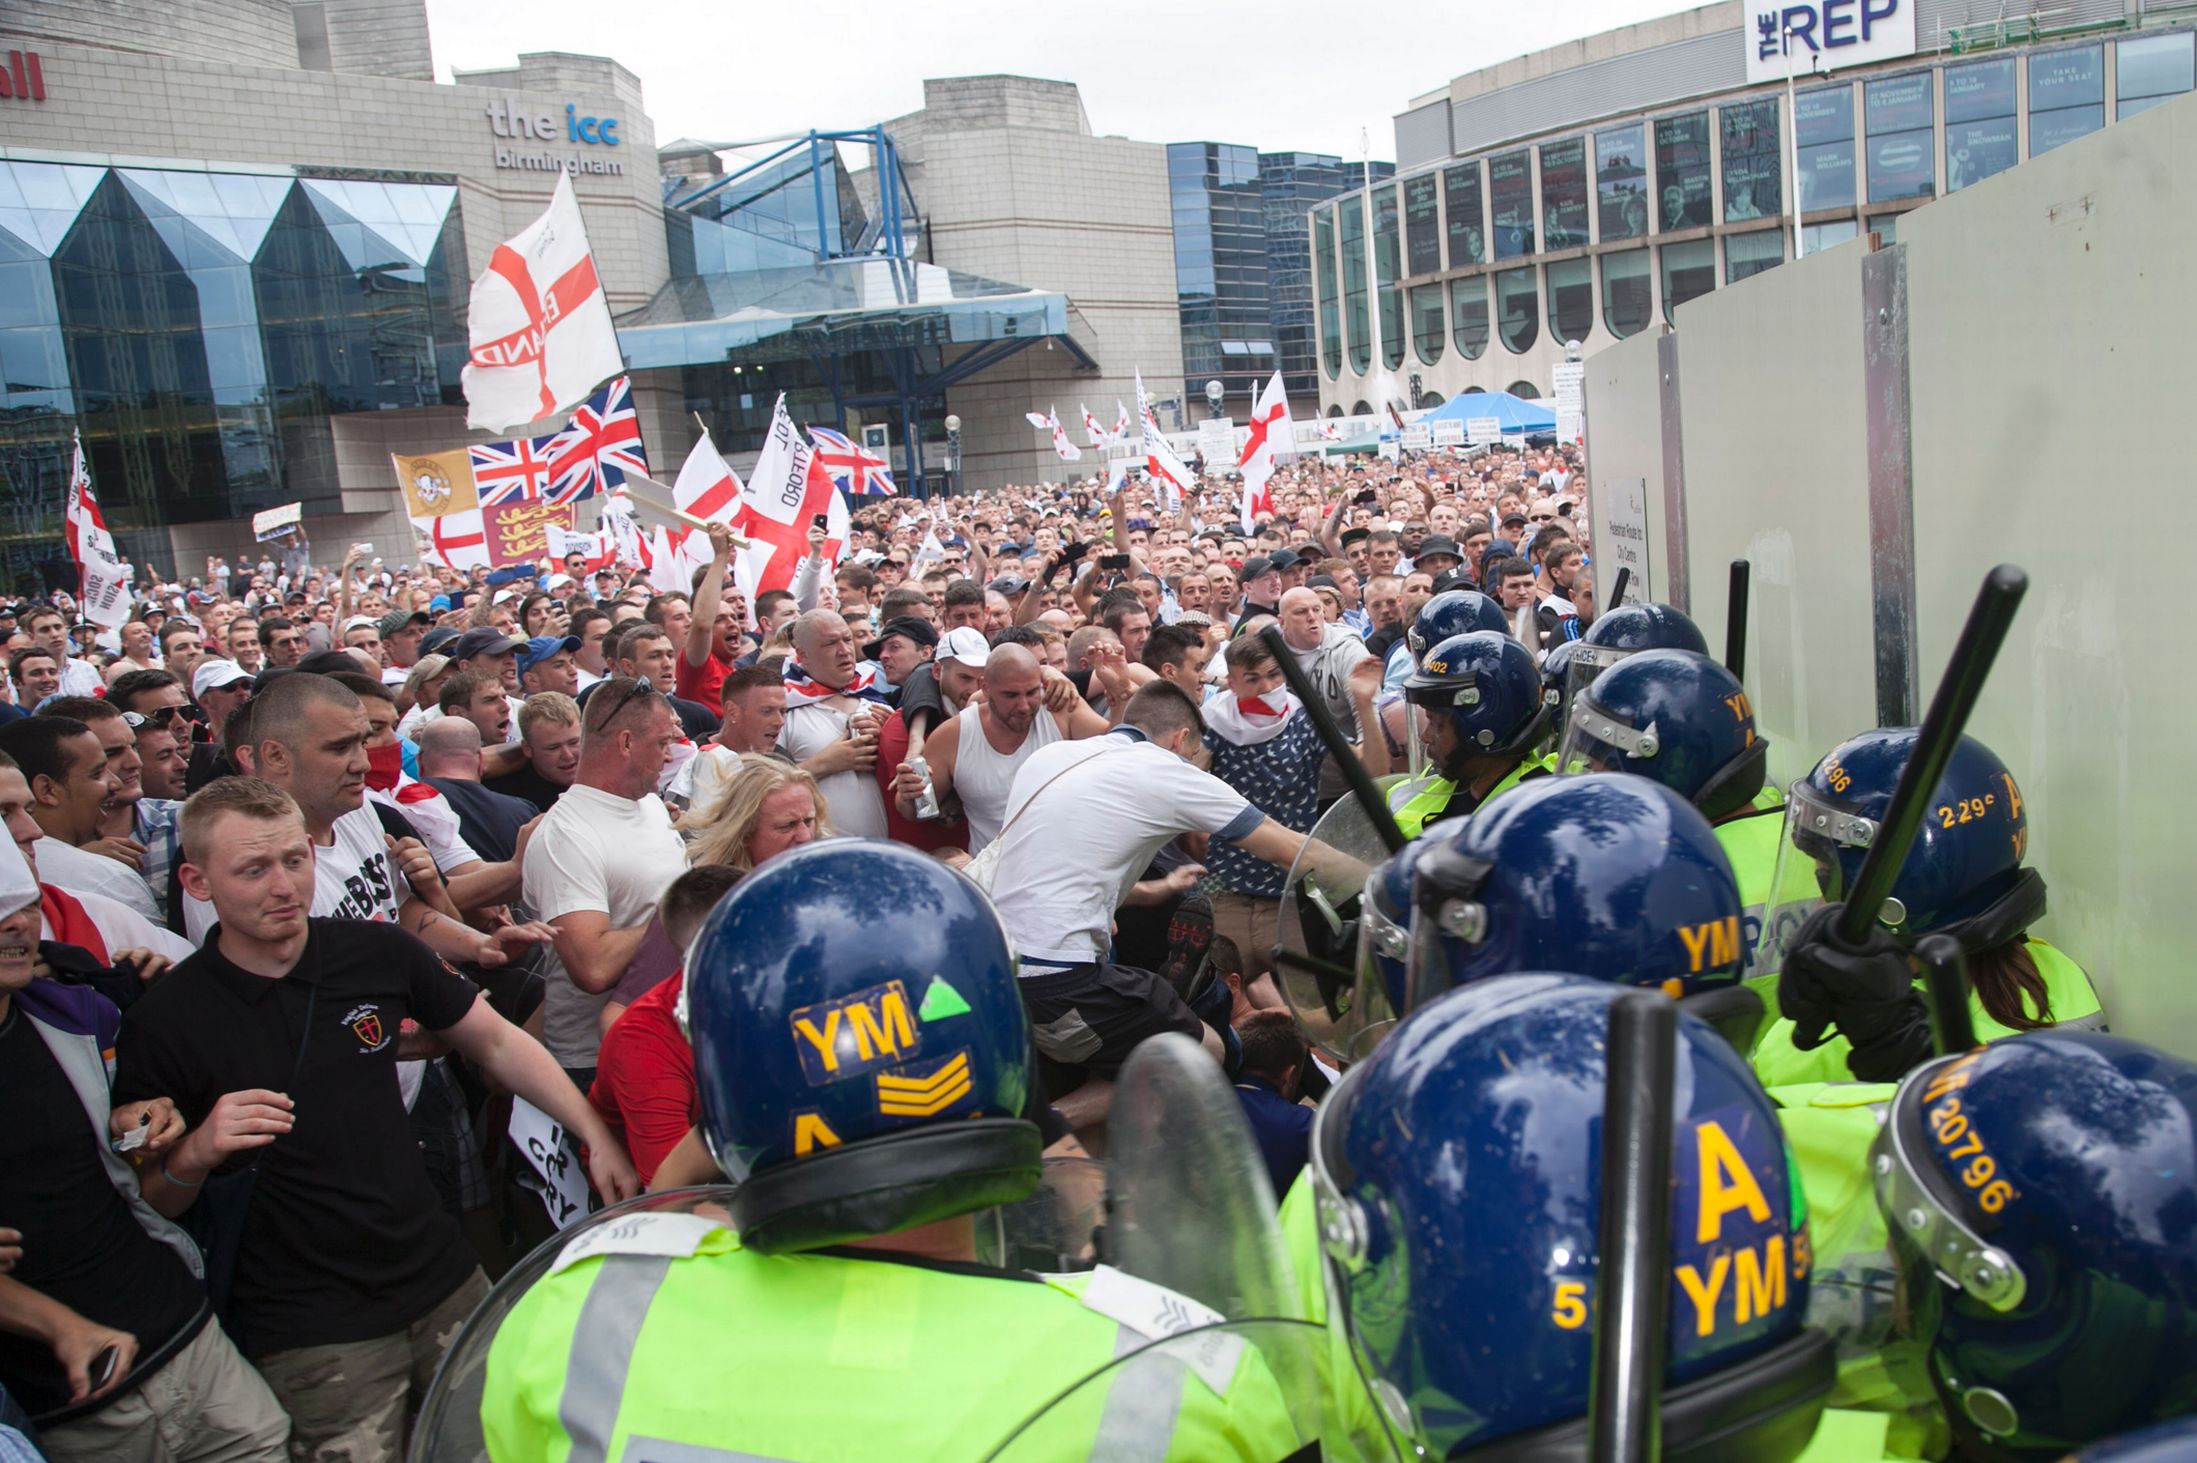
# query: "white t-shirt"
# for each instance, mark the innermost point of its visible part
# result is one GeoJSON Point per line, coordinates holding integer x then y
{"type": "Point", "coordinates": [1066, 868]}
{"type": "Point", "coordinates": [595, 851]}
{"type": "Point", "coordinates": [704, 775]}
{"type": "Point", "coordinates": [72, 870]}
{"type": "Point", "coordinates": [857, 806]}
{"type": "Point", "coordinates": [352, 877]}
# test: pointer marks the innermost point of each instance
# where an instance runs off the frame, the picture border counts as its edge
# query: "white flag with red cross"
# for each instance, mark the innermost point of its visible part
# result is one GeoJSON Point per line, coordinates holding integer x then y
{"type": "Point", "coordinates": [784, 495]}
{"type": "Point", "coordinates": [707, 488]}
{"type": "Point", "coordinates": [1167, 470]}
{"type": "Point", "coordinates": [541, 337]}
{"type": "Point", "coordinates": [1092, 429]}
{"type": "Point", "coordinates": [456, 540]}
{"type": "Point", "coordinates": [1272, 430]}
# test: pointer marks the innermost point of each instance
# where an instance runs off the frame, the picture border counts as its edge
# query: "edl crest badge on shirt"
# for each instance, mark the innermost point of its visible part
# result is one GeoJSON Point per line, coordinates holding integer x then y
{"type": "Point", "coordinates": [365, 1023]}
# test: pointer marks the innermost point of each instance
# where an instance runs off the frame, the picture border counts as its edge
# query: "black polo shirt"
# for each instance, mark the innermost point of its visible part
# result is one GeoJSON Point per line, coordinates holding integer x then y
{"type": "Point", "coordinates": [346, 1239]}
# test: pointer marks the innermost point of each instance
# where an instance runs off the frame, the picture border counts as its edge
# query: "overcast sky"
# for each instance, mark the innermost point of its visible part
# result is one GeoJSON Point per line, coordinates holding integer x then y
{"type": "Point", "coordinates": [1286, 75]}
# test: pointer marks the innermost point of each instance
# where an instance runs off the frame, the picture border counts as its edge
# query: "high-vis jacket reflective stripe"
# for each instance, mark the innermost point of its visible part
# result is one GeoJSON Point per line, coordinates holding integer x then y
{"type": "Point", "coordinates": [1419, 801]}
{"type": "Point", "coordinates": [734, 1355]}
{"type": "Point", "coordinates": [1778, 1063]}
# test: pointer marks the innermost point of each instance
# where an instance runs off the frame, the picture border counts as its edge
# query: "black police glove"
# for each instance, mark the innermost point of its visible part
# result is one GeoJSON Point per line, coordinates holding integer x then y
{"type": "Point", "coordinates": [1866, 992]}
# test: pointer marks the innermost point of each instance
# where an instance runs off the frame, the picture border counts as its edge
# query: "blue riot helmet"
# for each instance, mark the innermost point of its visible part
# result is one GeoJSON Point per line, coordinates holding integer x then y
{"type": "Point", "coordinates": [1624, 630]}
{"type": "Point", "coordinates": [1963, 877]}
{"type": "Point", "coordinates": [1452, 612]}
{"type": "Point", "coordinates": [1477, 695]}
{"type": "Point", "coordinates": [1610, 876]}
{"type": "Point", "coordinates": [2169, 1442]}
{"type": "Point", "coordinates": [1676, 717]}
{"type": "Point", "coordinates": [2041, 1196]}
{"type": "Point", "coordinates": [1457, 1174]}
{"type": "Point", "coordinates": [860, 1047]}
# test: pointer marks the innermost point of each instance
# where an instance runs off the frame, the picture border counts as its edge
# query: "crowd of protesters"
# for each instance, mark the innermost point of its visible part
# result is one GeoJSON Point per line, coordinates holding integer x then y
{"type": "Point", "coordinates": [319, 872]}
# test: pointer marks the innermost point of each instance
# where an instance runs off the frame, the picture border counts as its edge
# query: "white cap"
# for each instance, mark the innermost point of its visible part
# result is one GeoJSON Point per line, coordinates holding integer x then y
{"type": "Point", "coordinates": [212, 674]}
{"type": "Point", "coordinates": [370, 622]}
{"type": "Point", "coordinates": [965, 644]}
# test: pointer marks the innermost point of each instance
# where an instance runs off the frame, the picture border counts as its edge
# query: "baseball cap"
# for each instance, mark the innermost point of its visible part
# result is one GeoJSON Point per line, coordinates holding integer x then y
{"type": "Point", "coordinates": [1258, 566]}
{"type": "Point", "coordinates": [1284, 559]}
{"type": "Point", "coordinates": [1009, 584]}
{"type": "Point", "coordinates": [484, 640]}
{"type": "Point", "coordinates": [439, 640]}
{"type": "Point", "coordinates": [1438, 543]}
{"type": "Point", "coordinates": [966, 645]}
{"type": "Point", "coordinates": [396, 620]}
{"type": "Point", "coordinates": [212, 675]}
{"type": "Point", "coordinates": [542, 647]}
{"type": "Point", "coordinates": [921, 631]}
{"type": "Point", "coordinates": [360, 622]}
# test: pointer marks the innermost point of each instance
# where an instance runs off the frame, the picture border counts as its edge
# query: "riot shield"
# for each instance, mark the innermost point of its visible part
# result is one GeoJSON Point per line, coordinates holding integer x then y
{"type": "Point", "coordinates": [1321, 920]}
{"type": "Point", "coordinates": [1054, 1231]}
{"type": "Point", "coordinates": [1189, 1204]}
{"type": "Point", "coordinates": [1236, 1389]}
{"type": "Point", "coordinates": [448, 1429]}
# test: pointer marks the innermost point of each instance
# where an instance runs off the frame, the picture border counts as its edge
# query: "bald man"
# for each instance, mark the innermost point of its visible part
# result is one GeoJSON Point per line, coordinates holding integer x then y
{"type": "Point", "coordinates": [974, 756]}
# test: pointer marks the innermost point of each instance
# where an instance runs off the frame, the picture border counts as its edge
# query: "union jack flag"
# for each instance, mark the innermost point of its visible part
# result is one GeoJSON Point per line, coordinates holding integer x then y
{"type": "Point", "coordinates": [853, 468]}
{"type": "Point", "coordinates": [507, 472]}
{"type": "Point", "coordinates": [598, 447]}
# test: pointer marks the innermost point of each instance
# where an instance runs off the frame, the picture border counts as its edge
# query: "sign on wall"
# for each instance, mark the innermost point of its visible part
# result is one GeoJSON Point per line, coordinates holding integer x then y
{"type": "Point", "coordinates": [1824, 35]}
{"type": "Point", "coordinates": [1622, 542]}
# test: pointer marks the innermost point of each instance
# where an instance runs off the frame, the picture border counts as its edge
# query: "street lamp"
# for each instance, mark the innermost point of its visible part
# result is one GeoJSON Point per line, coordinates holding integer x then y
{"type": "Point", "coordinates": [1214, 392]}
{"type": "Point", "coordinates": [953, 453]}
{"type": "Point", "coordinates": [1416, 383]}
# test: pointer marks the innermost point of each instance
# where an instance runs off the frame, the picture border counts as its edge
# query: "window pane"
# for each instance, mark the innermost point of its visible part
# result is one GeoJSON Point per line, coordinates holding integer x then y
{"type": "Point", "coordinates": [2066, 97]}
{"type": "Point", "coordinates": [1896, 115]}
{"type": "Point", "coordinates": [1525, 390]}
{"type": "Point", "coordinates": [1817, 237]}
{"type": "Point", "coordinates": [1384, 265]}
{"type": "Point", "coordinates": [1980, 90]}
{"type": "Point", "coordinates": [1564, 194]}
{"type": "Point", "coordinates": [1886, 227]}
{"type": "Point", "coordinates": [1468, 313]}
{"type": "Point", "coordinates": [1331, 332]}
{"type": "Point", "coordinates": [1422, 226]}
{"type": "Point", "coordinates": [1571, 300]}
{"type": "Point", "coordinates": [1510, 192]}
{"type": "Point", "coordinates": [1426, 323]}
{"type": "Point", "coordinates": [1824, 115]}
{"type": "Point", "coordinates": [1518, 309]}
{"type": "Point", "coordinates": [1461, 201]}
{"type": "Point", "coordinates": [1746, 254]}
{"type": "Point", "coordinates": [1682, 171]}
{"type": "Point", "coordinates": [2155, 66]}
{"type": "Point", "coordinates": [1689, 272]}
{"type": "Point", "coordinates": [1751, 158]}
{"type": "Point", "coordinates": [1824, 128]}
{"type": "Point", "coordinates": [1626, 300]}
{"type": "Point", "coordinates": [1975, 151]}
{"type": "Point", "coordinates": [1358, 323]}
{"type": "Point", "coordinates": [1621, 179]}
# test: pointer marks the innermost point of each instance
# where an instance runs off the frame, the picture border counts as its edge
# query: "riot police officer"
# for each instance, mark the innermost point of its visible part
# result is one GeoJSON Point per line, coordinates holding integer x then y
{"type": "Point", "coordinates": [1678, 717]}
{"type": "Point", "coordinates": [1478, 712]}
{"type": "Point", "coordinates": [863, 1062]}
{"type": "Point", "coordinates": [1458, 1201]}
{"type": "Point", "coordinates": [2041, 1194]}
{"type": "Point", "coordinates": [1965, 876]}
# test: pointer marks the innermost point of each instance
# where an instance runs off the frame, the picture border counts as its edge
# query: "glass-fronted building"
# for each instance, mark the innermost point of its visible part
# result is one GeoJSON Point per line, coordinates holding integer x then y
{"type": "Point", "coordinates": [1243, 271]}
{"type": "Point", "coordinates": [1586, 231]}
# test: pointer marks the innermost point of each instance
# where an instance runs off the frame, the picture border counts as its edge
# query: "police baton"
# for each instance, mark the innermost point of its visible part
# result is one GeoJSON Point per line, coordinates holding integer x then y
{"type": "Point", "coordinates": [1988, 621]}
{"type": "Point", "coordinates": [1338, 746]}
{"type": "Point", "coordinates": [1617, 587]}
{"type": "Point", "coordinates": [1945, 977]}
{"type": "Point", "coordinates": [1735, 622]}
{"type": "Point", "coordinates": [1625, 1393]}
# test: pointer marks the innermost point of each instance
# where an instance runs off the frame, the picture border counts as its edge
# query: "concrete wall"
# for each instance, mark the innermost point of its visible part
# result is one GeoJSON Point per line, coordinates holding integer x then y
{"type": "Point", "coordinates": [1013, 187]}
{"type": "Point", "coordinates": [224, 32]}
{"type": "Point", "coordinates": [2049, 313]}
{"type": "Point", "coordinates": [378, 38]}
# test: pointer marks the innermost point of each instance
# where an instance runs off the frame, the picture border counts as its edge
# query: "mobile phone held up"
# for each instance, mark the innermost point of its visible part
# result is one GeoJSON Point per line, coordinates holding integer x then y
{"type": "Point", "coordinates": [1114, 563]}
{"type": "Point", "coordinates": [820, 521]}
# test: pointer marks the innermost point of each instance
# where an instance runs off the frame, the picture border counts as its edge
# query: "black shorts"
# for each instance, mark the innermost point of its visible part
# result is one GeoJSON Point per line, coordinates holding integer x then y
{"type": "Point", "coordinates": [1087, 1019]}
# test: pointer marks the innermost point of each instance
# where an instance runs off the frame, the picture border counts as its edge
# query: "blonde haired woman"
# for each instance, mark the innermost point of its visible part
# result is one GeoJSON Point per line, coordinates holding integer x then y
{"type": "Point", "coordinates": [765, 807]}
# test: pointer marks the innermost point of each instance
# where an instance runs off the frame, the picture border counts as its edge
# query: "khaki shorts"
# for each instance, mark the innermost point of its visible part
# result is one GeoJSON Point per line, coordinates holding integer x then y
{"type": "Point", "coordinates": [205, 1404]}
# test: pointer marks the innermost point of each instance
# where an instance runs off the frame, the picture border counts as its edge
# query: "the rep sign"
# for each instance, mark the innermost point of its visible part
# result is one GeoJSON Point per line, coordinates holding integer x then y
{"type": "Point", "coordinates": [1825, 35]}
